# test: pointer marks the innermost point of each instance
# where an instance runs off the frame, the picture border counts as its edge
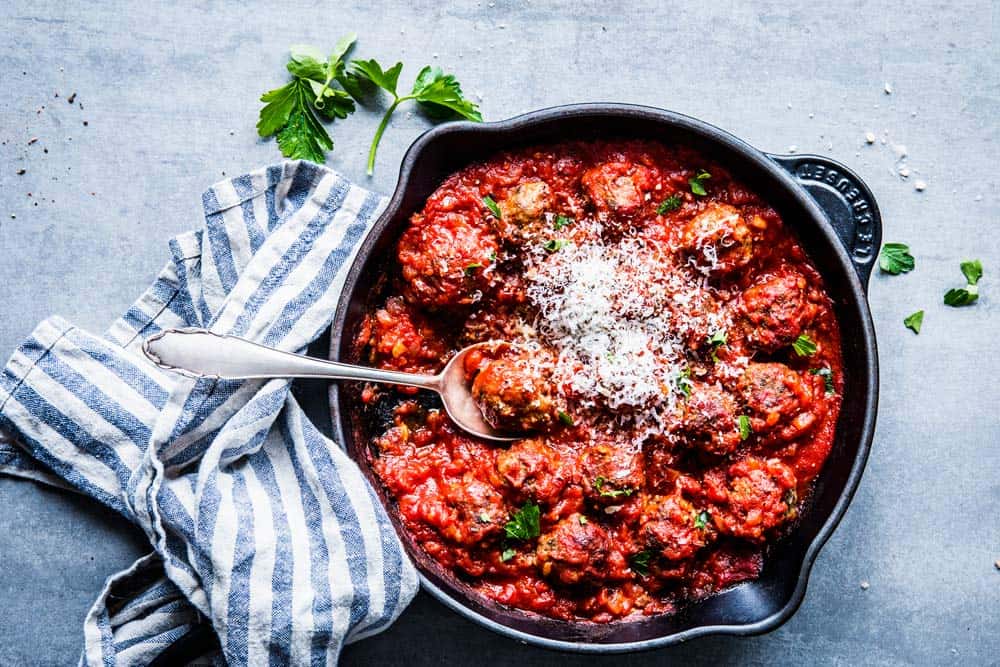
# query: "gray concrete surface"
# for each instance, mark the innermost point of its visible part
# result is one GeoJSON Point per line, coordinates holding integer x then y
{"type": "Point", "coordinates": [169, 92]}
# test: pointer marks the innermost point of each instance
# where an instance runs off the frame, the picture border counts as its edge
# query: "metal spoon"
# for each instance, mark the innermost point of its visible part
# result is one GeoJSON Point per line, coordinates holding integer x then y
{"type": "Point", "coordinates": [201, 353]}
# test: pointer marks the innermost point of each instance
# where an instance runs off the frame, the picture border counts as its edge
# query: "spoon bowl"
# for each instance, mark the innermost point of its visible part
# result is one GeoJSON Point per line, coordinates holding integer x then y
{"type": "Point", "coordinates": [201, 353]}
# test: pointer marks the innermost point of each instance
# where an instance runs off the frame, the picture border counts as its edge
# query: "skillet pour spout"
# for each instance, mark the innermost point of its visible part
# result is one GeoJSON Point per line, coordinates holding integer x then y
{"type": "Point", "coordinates": [835, 218]}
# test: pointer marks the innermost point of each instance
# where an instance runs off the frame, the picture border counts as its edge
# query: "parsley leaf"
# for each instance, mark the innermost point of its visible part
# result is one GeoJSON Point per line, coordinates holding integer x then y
{"type": "Point", "coordinates": [640, 562]}
{"type": "Point", "coordinates": [671, 203]}
{"type": "Point", "coordinates": [524, 523]}
{"type": "Point", "coordinates": [371, 71]}
{"type": "Point", "coordinates": [303, 137]}
{"type": "Point", "coordinates": [961, 297]}
{"type": "Point", "coordinates": [701, 520]}
{"type": "Point", "coordinates": [804, 346]}
{"type": "Point", "coordinates": [895, 258]}
{"type": "Point", "coordinates": [972, 270]}
{"type": "Point", "coordinates": [744, 423]}
{"type": "Point", "coordinates": [491, 204]}
{"type": "Point", "coordinates": [555, 245]}
{"type": "Point", "coordinates": [718, 338]}
{"type": "Point", "coordinates": [289, 111]}
{"type": "Point", "coordinates": [827, 376]}
{"type": "Point", "coordinates": [471, 268]}
{"type": "Point", "coordinates": [599, 483]}
{"type": "Point", "coordinates": [562, 221]}
{"type": "Point", "coordinates": [438, 94]}
{"type": "Point", "coordinates": [914, 321]}
{"type": "Point", "coordinates": [583, 520]}
{"type": "Point", "coordinates": [698, 183]}
{"type": "Point", "coordinates": [565, 418]}
{"type": "Point", "coordinates": [507, 555]}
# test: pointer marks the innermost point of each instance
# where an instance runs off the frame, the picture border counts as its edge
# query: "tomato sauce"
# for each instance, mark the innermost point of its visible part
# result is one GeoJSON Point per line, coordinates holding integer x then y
{"type": "Point", "coordinates": [657, 470]}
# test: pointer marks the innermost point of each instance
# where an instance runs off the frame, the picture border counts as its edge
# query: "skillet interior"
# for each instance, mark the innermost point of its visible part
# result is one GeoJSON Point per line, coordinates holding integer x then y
{"type": "Point", "coordinates": [748, 608]}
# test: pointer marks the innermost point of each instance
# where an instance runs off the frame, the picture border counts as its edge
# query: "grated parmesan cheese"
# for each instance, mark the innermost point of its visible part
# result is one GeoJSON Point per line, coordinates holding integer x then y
{"type": "Point", "coordinates": [619, 316]}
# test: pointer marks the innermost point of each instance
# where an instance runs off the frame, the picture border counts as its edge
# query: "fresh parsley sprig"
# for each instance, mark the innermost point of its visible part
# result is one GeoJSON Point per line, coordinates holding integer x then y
{"type": "Point", "coordinates": [290, 111]}
{"type": "Point", "coordinates": [438, 94]}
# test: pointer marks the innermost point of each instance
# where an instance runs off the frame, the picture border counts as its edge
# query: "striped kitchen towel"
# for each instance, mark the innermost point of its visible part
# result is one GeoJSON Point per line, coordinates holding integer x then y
{"type": "Point", "coordinates": [260, 525]}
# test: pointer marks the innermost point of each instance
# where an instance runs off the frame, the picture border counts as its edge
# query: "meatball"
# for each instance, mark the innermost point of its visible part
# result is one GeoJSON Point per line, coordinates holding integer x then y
{"type": "Point", "coordinates": [673, 527]}
{"type": "Point", "coordinates": [610, 473]}
{"type": "Point", "coordinates": [532, 468]}
{"type": "Point", "coordinates": [522, 213]}
{"type": "Point", "coordinates": [778, 399]}
{"type": "Point", "coordinates": [442, 259]}
{"type": "Point", "coordinates": [760, 495]}
{"type": "Point", "coordinates": [575, 550]}
{"type": "Point", "coordinates": [475, 511]}
{"type": "Point", "coordinates": [617, 187]}
{"type": "Point", "coordinates": [776, 310]}
{"type": "Point", "coordinates": [514, 392]}
{"type": "Point", "coordinates": [718, 238]}
{"type": "Point", "coordinates": [709, 419]}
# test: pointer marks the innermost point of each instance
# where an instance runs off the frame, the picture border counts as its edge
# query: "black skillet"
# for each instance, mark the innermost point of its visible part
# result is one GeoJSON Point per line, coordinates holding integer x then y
{"type": "Point", "coordinates": [835, 217]}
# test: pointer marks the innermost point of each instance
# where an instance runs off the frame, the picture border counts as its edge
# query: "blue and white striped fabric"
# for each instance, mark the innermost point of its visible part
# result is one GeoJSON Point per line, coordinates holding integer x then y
{"type": "Point", "coordinates": [259, 524]}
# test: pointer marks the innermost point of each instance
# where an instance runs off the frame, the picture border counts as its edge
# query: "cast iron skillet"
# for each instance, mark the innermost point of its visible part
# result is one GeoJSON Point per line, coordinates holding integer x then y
{"type": "Point", "coordinates": [837, 221]}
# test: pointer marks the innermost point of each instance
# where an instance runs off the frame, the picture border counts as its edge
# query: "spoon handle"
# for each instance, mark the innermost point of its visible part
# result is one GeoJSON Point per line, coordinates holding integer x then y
{"type": "Point", "coordinates": [201, 353]}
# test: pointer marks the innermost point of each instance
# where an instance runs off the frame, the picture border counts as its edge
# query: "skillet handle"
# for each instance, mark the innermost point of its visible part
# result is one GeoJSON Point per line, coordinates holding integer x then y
{"type": "Point", "coordinates": [848, 203]}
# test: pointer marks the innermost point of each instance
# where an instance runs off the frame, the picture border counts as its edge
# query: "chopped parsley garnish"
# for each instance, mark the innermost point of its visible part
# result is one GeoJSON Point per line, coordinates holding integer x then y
{"type": "Point", "coordinates": [555, 245]}
{"type": "Point", "coordinates": [671, 203]}
{"type": "Point", "coordinates": [640, 562]}
{"type": "Point", "coordinates": [610, 493]}
{"type": "Point", "coordinates": [684, 382]}
{"type": "Point", "coordinates": [973, 271]}
{"type": "Point", "coordinates": [493, 255]}
{"type": "Point", "coordinates": [507, 554]}
{"type": "Point", "coordinates": [565, 418]}
{"type": "Point", "coordinates": [471, 268]}
{"type": "Point", "coordinates": [914, 321]}
{"type": "Point", "coordinates": [827, 376]}
{"type": "Point", "coordinates": [492, 206]}
{"type": "Point", "coordinates": [583, 520]}
{"type": "Point", "coordinates": [698, 183]}
{"type": "Point", "coordinates": [744, 423]}
{"type": "Point", "coordinates": [717, 340]}
{"type": "Point", "coordinates": [562, 221]}
{"type": "Point", "coordinates": [524, 523]}
{"type": "Point", "coordinates": [896, 258]}
{"type": "Point", "coordinates": [701, 520]}
{"type": "Point", "coordinates": [804, 346]}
